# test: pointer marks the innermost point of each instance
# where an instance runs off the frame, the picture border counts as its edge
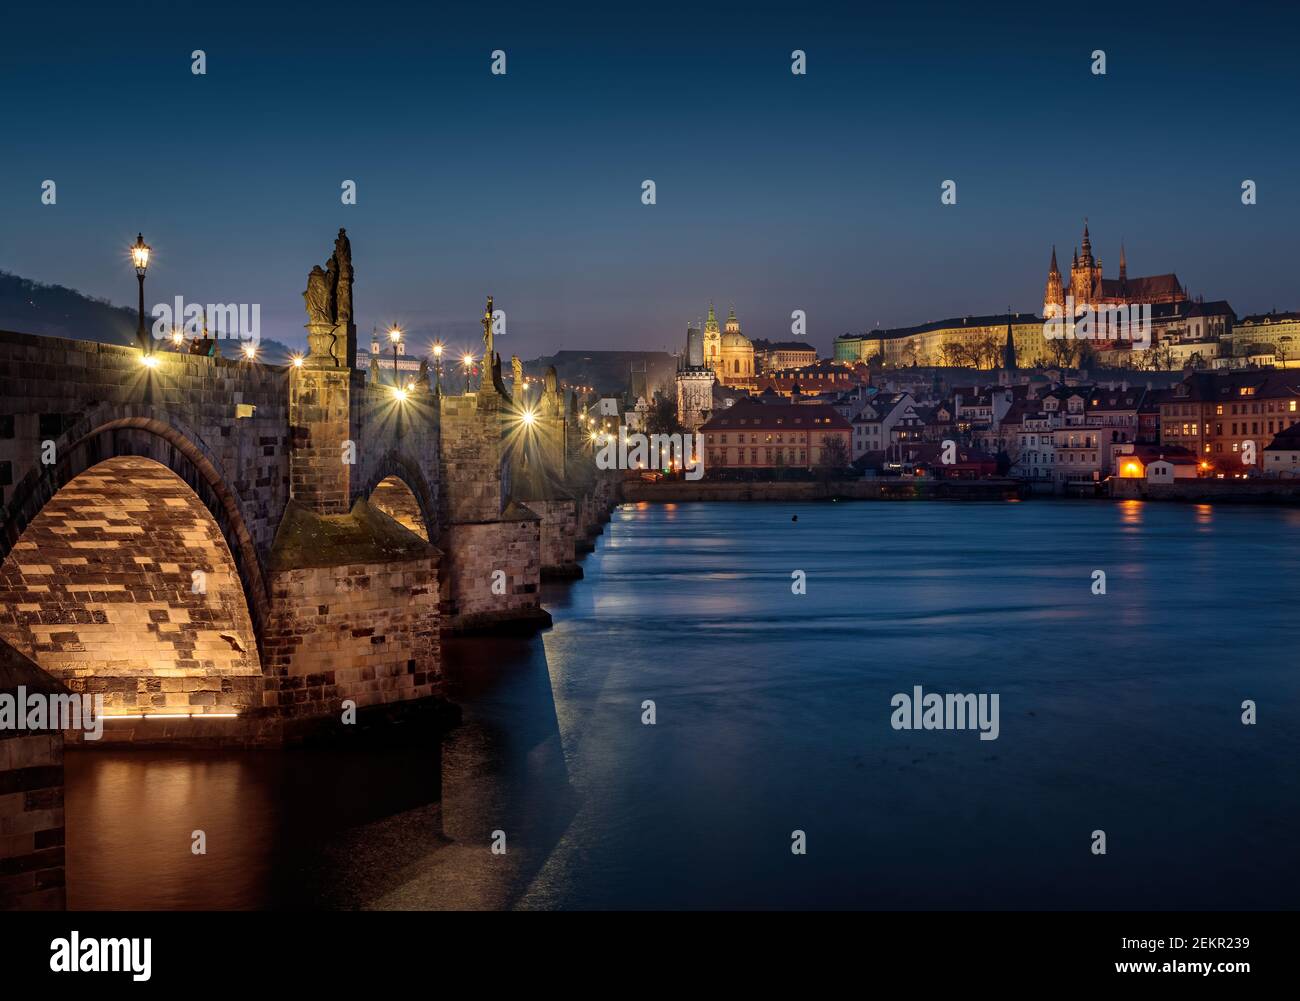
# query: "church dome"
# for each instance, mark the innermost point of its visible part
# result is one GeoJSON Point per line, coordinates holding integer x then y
{"type": "Point", "coordinates": [735, 339]}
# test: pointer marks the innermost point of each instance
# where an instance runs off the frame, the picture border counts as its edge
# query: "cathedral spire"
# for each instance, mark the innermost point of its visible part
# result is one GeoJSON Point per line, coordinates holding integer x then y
{"type": "Point", "coordinates": [1087, 244]}
{"type": "Point", "coordinates": [1053, 270]}
{"type": "Point", "coordinates": [1009, 352]}
{"type": "Point", "coordinates": [1123, 263]}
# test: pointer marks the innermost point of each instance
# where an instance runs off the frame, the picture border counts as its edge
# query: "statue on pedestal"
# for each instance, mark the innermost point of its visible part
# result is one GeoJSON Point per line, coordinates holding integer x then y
{"type": "Point", "coordinates": [329, 304]}
{"type": "Point", "coordinates": [343, 267]}
{"type": "Point", "coordinates": [319, 298]}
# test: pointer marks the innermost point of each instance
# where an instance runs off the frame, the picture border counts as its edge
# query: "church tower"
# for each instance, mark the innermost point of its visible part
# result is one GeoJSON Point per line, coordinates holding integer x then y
{"type": "Point", "coordinates": [1085, 274]}
{"type": "Point", "coordinates": [712, 340]}
{"type": "Point", "coordinates": [694, 381]}
{"type": "Point", "coordinates": [1055, 294]}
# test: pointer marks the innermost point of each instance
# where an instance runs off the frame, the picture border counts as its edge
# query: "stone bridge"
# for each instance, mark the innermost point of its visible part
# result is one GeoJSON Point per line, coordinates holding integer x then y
{"type": "Point", "coordinates": [234, 551]}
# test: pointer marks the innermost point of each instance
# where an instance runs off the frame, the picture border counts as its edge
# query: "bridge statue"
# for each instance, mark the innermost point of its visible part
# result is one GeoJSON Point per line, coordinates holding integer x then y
{"type": "Point", "coordinates": [320, 308]}
{"type": "Point", "coordinates": [488, 348]}
{"type": "Point", "coordinates": [342, 261]}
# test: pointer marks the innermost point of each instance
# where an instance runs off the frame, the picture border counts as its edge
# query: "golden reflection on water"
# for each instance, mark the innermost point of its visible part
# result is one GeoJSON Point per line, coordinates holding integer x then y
{"type": "Point", "coordinates": [131, 822]}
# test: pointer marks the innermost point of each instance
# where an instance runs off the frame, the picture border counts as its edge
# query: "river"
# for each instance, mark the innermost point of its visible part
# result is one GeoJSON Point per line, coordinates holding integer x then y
{"type": "Point", "coordinates": [1119, 712]}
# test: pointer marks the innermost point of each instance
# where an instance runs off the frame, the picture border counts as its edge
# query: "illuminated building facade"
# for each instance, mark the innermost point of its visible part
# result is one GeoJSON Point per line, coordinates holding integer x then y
{"type": "Point", "coordinates": [753, 435]}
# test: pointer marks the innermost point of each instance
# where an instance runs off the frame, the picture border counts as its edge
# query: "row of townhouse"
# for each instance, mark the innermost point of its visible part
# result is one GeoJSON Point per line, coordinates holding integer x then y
{"type": "Point", "coordinates": [1068, 436]}
{"type": "Point", "coordinates": [1229, 419]}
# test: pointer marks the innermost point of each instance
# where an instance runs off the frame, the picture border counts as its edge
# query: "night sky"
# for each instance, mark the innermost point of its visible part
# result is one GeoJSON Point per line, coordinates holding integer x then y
{"type": "Point", "coordinates": [775, 191]}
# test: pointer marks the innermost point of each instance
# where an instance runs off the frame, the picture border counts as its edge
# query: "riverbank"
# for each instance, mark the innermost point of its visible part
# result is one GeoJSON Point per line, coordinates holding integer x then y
{"type": "Point", "coordinates": [682, 491]}
{"type": "Point", "coordinates": [1201, 491]}
{"type": "Point", "coordinates": [1208, 491]}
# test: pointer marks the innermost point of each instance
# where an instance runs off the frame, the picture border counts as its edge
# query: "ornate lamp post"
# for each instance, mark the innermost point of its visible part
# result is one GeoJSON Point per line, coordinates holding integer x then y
{"type": "Point", "coordinates": [140, 258]}
{"type": "Point", "coordinates": [437, 366]}
{"type": "Point", "coordinates": [467, 361]}
{"type": "Point", "coordinates": [395, 337]}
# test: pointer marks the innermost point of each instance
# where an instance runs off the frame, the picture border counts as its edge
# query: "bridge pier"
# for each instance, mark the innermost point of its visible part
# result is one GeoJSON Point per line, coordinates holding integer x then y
{"type": "Point", "coordinates": [355, 614]}
{"type": "Point", "coordinates": [493, 572]}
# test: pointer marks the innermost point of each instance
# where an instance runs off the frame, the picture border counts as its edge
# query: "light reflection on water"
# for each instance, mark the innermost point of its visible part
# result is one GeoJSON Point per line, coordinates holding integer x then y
{"type": "Point", "coordinates": [1119, 712]}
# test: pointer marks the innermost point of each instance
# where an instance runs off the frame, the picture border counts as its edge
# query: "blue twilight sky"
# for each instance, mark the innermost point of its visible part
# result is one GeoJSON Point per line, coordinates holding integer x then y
{"type": "Point", "coordinates": [775, 191]}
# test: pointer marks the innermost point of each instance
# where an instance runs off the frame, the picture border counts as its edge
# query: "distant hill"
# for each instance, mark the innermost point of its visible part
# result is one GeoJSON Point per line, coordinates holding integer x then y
{"type": "Point", "coordinates": [54, 311]}
{"type": "Point", "coordinates": [29, 307]}
{"type": "Point", "coordinates": [609, 372]}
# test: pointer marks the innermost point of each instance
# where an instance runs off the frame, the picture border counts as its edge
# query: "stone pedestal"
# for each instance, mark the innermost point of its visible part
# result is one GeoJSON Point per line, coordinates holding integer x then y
{"type": "Point", "coordinates": [320, 421]}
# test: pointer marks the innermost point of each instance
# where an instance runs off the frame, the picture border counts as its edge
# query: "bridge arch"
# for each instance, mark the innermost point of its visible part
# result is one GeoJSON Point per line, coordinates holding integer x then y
{"type": "Point", "coordinates": [122, 585]}
{"type": "Point", "coordinates": [399, 489]}
{"type": "Point", "coordinates": [106, 434]}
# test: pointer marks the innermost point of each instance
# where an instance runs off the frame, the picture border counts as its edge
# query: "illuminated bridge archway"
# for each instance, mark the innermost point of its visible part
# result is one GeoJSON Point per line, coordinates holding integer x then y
{"type": "Point", "coordinates": [399, 490]}
{"type": "Point", "coordinates": [123, 583]}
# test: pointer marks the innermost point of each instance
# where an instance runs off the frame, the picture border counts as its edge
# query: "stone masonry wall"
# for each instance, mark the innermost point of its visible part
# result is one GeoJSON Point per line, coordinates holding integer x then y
{"type": "Point", "coordinates": [52, 387]}
{"type": "Point", "coordinates": [31, 797]}
{"type": "Point", "coordinates": [558, 533]}
{"type": "Point", "coordinates": [321, 423]}
{"type": "Point", "coordinates": [31, 821]}
{"type": "Point", "coordinates": [470, 471]}
{"type": "Point", "coordinates": [364, 632]}
{"type": "Point", "coordinates": [474, 552]}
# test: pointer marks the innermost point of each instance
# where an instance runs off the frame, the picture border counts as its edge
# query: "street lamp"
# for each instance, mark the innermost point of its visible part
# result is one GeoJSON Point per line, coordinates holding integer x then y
{"type": "Point", "coordinates": [437, 366]}
{"type": "Point", "coordinates": [395, 336]}
{"type": "Point", "coordinates": [140, 258]}
{"type": "Point", "coordinates": [467, 360]}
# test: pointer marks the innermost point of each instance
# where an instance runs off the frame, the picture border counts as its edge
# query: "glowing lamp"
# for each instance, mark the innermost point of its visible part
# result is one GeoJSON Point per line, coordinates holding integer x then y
{"type": "Point", "coordinates": [140, 255]}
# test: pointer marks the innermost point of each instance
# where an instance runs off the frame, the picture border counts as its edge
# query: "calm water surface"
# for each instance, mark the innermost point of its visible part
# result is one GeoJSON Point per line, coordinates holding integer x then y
{"type": "Point", "coordinates": [1118, 712]}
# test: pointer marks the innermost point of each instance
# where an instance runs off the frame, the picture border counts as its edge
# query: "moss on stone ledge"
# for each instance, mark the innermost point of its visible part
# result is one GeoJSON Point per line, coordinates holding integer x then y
{"type": "Point", "coordinates": [363, 535]}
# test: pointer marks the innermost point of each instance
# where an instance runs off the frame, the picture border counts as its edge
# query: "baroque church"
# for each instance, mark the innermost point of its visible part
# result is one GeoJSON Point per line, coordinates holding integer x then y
{"type": "Point", "coordinates": [718, 364]}
{"type": "Point", "coordinates": [729, 352]}
{"type": "Point", "coordinates": [1089, 288]}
